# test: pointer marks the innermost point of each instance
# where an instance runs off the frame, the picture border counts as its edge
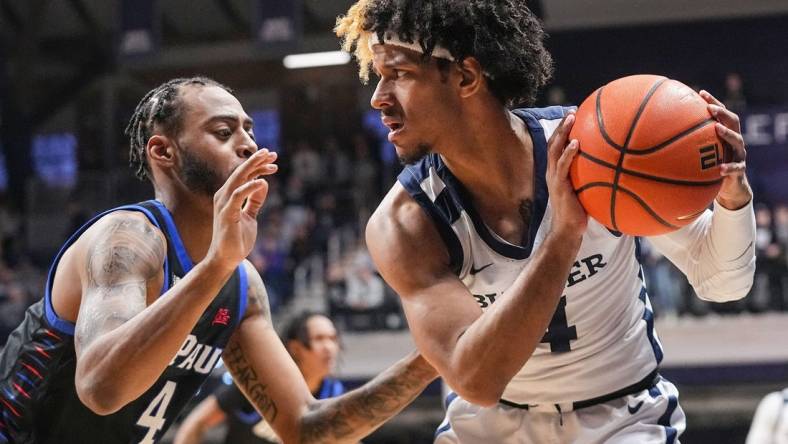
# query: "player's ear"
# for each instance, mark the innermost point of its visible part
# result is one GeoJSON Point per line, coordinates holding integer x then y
{"type": "Point", "coordinates": [160, 150]}
{"type": "Point", "coordinates": [471, 76]}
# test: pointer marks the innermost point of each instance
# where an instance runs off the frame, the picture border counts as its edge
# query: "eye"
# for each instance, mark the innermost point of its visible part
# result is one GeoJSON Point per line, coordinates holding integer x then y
{"type": "Point", "coordinates": [224, 133]}
{"type": "Point", "coordinates": [398, 73]}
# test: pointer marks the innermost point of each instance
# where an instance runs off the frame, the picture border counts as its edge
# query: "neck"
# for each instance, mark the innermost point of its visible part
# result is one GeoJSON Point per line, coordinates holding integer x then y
{"type": "Point", "coordinates": [193, 217]}
{"type": "Point", "coordinates": [487, 157]}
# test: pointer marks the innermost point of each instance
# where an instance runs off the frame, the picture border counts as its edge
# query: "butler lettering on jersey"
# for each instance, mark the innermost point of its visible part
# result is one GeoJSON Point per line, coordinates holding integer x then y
{"type": "Point", "coordinates": [581, 270]}
{"type": "Point", "coordinates": [585, 268]}
{"type": "Point", "coordinates": [195, 356]}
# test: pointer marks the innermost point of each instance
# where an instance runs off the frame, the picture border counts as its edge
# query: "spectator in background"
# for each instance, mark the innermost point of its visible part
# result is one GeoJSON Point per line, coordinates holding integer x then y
{"type": "Point", "coordinates": [766, 292]}
{"type": "Point", "coordinates": [663, 280]}
{"type": "Point", "coordinates": [312, 341]}
{"type": "Point", "coordinates": [770, 423]}
{"type": "Point", "coordinates": [556, 96]}
{"type": "Point", "coordinates": [734, 98]}
{"type": "Point", "coordinates": [365, 175]}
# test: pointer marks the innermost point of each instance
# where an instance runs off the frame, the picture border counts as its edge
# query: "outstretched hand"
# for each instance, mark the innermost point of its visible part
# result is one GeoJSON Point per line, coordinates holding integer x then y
{"type": "Point", "coordinates": [735, 191]}
{"type": "Point", "coordinates": [235, 208]}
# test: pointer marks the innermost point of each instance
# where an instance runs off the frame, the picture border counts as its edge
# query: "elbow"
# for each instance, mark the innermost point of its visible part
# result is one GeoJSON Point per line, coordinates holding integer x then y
{"type": "Point", "coordinates": [100, 401]}
{"type": "Point", "coordinates": [727, 286]}
{"type": "Point", "coordinates": [482, 391]}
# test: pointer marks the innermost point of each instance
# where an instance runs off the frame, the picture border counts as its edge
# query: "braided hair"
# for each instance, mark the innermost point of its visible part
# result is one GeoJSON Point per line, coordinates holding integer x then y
{"type": "Point", "coordinates": [503, 35]}
{"type": "Point", "coordinates": [160, 106]}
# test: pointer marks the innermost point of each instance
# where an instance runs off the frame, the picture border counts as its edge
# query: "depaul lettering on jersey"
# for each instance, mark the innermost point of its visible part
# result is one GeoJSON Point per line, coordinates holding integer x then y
{"type": "Point", "coordinates": [195, 356]}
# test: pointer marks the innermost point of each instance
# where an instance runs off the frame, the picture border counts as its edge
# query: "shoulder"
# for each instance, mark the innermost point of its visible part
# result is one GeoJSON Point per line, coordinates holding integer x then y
{"type": "Point", "coordinates": [122, 243]}
{"type": "Point", "coordinates": [400, 232]}
{"type": "Point", "coordinates": [124, 224]}
{"type": "Point", "coordinates": [256, 294]}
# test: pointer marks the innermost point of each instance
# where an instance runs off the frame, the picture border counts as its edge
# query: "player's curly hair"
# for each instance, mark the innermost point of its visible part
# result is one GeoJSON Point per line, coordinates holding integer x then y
{"type": "Point", "coordinates": [503, 35]}
{"type": "Point", "coordinates": [163, 106]}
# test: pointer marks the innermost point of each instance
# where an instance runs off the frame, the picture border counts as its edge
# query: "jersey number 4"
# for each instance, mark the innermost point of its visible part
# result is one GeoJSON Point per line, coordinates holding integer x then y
{"type": "Point", "coordinates": [153, 416]}
{"type": "Point", "coordinates": [560, 333]}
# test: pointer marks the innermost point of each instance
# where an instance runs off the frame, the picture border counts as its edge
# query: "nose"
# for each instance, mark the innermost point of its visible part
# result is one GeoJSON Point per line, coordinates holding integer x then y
{"type": "Point", "coordinates": [382, 97]}
{"type": "Point", "coordinates": [247, 148]}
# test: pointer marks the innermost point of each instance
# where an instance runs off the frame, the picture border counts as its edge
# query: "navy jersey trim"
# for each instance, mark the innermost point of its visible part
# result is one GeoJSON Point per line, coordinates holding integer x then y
{"type": "Point", "coordinates": [411, 178]}
{"type": "Point", "coordinates": [175, 237]}
{"type": "Point", "coordinates": [243, 288]}
{"type": "Point", "coordinates": [648, 315]}
{"type": "Point", "coordinates": [55, 321]}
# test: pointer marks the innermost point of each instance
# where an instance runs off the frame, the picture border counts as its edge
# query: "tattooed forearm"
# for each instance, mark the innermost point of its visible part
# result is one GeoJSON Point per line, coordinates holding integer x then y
{"type": "Point", "coordinates": [246, 379]}
{"type": "Point", "coordinates": [357, 413]}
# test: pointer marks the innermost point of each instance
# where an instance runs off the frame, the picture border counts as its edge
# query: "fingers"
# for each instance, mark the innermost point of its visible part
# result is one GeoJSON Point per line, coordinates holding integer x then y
{"type": "Point", "coordinates": [252, 167]}
{"type": "Point", "coordinates": [710, 99]}
{"type": "Point", "coordinates": [244, 193]}
{"type": "Point", "coordinates": [565, 161]}
{"type": "Point", "coordinates": [256, 199]}
{"type": "Point", "coordinates": [725, 117]}
{"type": "Point", "coordinates": [734, 140]}
{"type": "Point", "coordinates": [733, 168]}
{"type": "Point", "coordinates": [557, 142]}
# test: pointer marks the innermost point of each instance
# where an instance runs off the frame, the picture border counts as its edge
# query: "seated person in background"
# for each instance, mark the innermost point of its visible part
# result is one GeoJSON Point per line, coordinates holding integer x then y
{"type": "Point", "coordinates": [312, 341]}
{"type": "Point", "coordinates": [770, 423]}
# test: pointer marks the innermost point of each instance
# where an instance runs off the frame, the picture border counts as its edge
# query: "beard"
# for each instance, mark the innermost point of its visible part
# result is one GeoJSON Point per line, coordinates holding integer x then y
{"type": "Point", "coordinates": [198, 176]}
{"type": "Point", "coordinates": [422, 149]}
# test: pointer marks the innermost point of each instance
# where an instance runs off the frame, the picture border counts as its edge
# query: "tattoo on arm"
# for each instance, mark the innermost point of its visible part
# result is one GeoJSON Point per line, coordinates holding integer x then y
{"type": "Point", "coordinates": [364, 409]}
{"type": "Point", "coordinates": [246, 378]}
{"type": "Point", "coordinates": [125, 255]}
{"type": "Point", "coordinates": [256, 294]}
{"type": "Point", "coordinates": [243, 373]}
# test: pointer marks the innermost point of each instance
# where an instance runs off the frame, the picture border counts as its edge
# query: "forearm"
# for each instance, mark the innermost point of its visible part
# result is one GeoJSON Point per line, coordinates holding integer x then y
{"type": "Point", "coordinates": [118, 366]}
{"type": "Point", "coordinates": [356, 414]}
{"type": "Point", "coordinates": [496, 346]}
{"type": "Point", "coordinates": [716, 252]}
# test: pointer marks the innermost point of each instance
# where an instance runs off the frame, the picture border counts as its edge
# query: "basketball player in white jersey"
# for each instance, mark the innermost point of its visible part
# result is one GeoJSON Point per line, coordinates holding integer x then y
{"type": "Point", "coordinates": [770, 423]}
{"type": "Point", "coordinates": [536, 317]}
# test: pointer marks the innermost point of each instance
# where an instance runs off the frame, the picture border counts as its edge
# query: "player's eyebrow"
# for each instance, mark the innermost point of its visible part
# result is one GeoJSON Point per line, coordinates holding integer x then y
{"type": "Point", "coordinates": [231, 118]}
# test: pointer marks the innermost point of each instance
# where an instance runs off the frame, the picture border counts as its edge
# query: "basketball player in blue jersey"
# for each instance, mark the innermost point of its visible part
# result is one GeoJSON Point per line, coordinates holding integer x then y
{"type": "Point", "coordinates": [536, 317]}
{"type": "Point", "coordinates": [142, 301]}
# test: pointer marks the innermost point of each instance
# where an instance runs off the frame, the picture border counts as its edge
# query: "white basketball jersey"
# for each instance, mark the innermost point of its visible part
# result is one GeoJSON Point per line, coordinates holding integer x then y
{"type": "Point", "coordinates": [601, 338]}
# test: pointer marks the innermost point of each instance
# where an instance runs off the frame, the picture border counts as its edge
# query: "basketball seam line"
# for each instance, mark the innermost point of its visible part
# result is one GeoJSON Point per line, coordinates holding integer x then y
{"type": "Point", "coordinates": [678, 136]}
{"type": "Point", "coordinates": [631, 131]}
{"type": "Point", "coordinates": [703, 183]}
{"type": "Point", "coordinates": [634, 196]}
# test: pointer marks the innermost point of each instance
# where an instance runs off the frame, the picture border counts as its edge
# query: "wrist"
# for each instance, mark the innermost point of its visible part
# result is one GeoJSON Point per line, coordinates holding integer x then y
{"type": "Point", "coordinates": [219, 266]}
{"type": "Point", "coordinates": [734, 204]}
{"type": "Point", "coordinates": [566, 237]}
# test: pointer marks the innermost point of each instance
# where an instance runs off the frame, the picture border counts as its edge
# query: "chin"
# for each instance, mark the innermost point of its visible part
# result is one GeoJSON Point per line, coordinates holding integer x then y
{"type": "Point", "coordinates": [412, 155]}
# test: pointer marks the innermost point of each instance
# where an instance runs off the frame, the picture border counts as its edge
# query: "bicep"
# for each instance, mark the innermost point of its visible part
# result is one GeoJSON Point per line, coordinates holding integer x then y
{"type": "Point", "coordinates": [123, 254]}
{"type": "Point", "coordinates": [413, 260]}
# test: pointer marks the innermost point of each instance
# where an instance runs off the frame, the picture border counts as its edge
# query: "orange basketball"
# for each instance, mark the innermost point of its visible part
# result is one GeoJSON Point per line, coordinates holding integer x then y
{"type": "Point", "coordinates": [649, 160]}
